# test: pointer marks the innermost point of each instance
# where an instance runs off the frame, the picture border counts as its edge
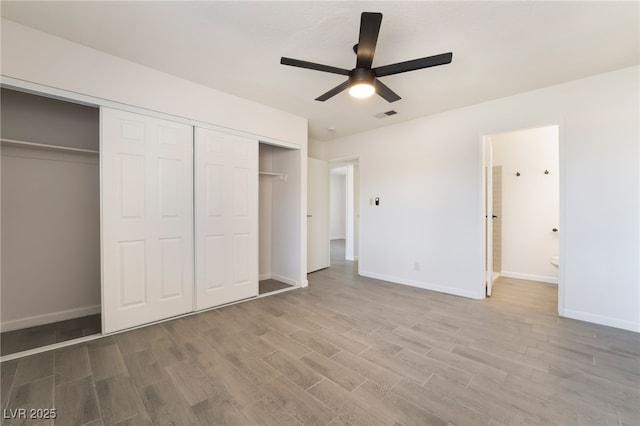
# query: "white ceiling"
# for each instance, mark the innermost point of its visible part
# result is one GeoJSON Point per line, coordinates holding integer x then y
{"type": "Point", "coordinates": [499, 48]}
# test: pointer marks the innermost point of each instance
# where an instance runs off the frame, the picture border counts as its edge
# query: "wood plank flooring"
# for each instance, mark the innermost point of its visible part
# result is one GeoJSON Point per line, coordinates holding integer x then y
{"type": "Point", "coordinates": [347, 350]}
{"type": "Point", "coordinates": [35, 337]}
{"type": "Point", "coordinates": [269, 285]}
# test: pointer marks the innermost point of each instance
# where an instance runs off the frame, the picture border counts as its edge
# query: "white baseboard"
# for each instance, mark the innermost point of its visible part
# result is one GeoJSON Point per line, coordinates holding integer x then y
{"type": "Point", "coordinates": [427, 286]}
{"type": "Point", "coordinates": [530, 277]}
{"type": "Point", "coordinates": [603, 320]}
{"type": "Point", "coordinates": [37, 320]}
{"type": "Point", "coordinates": [285, 280]}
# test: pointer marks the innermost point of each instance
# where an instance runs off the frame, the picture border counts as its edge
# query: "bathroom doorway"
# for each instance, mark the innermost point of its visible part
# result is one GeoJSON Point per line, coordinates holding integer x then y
{"type": "Point", "coordinates": [522, 206]}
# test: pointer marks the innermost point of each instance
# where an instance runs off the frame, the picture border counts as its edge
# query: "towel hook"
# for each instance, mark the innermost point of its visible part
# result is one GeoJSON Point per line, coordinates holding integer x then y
{"type": "Point", "coordinates": [546, 172]}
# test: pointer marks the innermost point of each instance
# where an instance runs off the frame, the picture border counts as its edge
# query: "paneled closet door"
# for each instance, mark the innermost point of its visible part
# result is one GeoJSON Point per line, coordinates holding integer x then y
{"type": "Point", "coordinates": [226, 194]}
{"type": "Point", "coordinates": [147, 219]}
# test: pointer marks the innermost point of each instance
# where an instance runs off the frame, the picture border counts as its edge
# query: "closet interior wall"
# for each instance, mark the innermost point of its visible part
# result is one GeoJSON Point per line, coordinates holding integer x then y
{"type": "Point", "coordinates": [265, 210]}
{"type": "Point", "coordinates": [50, 211]}
{"type": "Point", "coordinates": [280, 215]}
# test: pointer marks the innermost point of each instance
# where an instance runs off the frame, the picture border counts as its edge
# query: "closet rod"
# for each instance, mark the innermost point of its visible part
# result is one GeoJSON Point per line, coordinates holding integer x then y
{"type": "Point", "coordinates": [45, 146]}
{"type": "Point", "coordinates": [277, 175]}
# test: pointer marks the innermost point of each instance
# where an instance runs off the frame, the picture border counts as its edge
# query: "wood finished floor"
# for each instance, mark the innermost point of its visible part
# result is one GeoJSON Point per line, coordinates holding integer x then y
{"type": "Point", "coordinates": [35, 337]}
{"type": "Point", "coordinates": [346, 351]}
{"type": "Point", "coordinates": [269, 285]}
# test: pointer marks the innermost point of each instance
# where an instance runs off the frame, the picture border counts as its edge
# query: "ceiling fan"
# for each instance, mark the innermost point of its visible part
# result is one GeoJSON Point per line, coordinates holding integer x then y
{"type": "Point", "coordinates": [363, 80]}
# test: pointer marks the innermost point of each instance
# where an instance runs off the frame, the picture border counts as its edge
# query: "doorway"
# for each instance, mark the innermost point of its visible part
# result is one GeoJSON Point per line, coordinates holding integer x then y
{"type": "Point", "coordinates": [344, 211]}
{"type": "Point", "coordinates": [521, 206]}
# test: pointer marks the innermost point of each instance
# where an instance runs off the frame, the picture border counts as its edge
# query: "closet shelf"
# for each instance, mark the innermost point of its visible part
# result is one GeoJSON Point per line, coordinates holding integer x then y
{"type": "Point", "coordinates": [275, 176]}
{"type": "Point", "coordinates": [13, 142]}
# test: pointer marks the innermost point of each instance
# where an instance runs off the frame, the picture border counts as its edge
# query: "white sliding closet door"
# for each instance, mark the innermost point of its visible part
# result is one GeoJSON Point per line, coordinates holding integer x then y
{"type": "Point", "coordinates": [226, 181]}
{"type": "Point", "coordinates": [147, 219]}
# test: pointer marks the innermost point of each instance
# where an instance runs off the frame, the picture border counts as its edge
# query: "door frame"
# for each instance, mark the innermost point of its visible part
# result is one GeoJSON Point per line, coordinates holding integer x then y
{"type": "Point", "coordinates": [355, 176]}
{"type": "Point", "coordinates": [484, 163]}
{"type": "Point", "coordinates": [487, 199]}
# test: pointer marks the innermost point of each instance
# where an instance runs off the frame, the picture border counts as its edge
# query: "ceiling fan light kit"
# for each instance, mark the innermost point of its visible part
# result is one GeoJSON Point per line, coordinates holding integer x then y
{"type": "Point", "coordinates": [361, 83]}
{"type": "Point", "coordinates": [362, 90]}
{"type": "Point", "coordinates": [363, 80]}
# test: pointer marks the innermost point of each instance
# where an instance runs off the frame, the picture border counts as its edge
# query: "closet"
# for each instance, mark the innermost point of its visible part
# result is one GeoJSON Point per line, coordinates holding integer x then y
{"type": "Point", "coordinates": [167, 220]}
{"type": "Point", "coordinates": [280, 218]}
{"type": "Point", "coordinates": [50, 221]}
{"type": "Point", "coordinates": [168, 188]}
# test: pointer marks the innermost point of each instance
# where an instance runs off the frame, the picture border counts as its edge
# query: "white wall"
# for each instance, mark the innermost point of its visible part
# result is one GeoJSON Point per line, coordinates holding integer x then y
{"type": "Point", "coordinates": [428, 229]}
{"type": "Point", "coordinates": [338, 207]}
{"type": "Point", "coordinates": [37, 57]}
{"type": "Point", "coordinates": [530, 202]}
{"type": "Point", "coordinates": [316, 149]}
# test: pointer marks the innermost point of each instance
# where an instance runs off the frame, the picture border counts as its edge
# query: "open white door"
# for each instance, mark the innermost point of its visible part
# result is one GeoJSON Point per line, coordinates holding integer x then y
{"type": "Point", "coordinates": [226, 199]}
{"type": "Point", "coordinates": [147, 219]}
{"type": "Point", "coordinates": [317, 215]}
{"type": "Point", "coordinates": [488, 203]}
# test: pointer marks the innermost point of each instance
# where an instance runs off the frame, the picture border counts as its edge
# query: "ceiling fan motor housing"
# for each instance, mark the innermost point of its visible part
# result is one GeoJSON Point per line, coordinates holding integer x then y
{"type": "Point", "coordinates": [361, 75]}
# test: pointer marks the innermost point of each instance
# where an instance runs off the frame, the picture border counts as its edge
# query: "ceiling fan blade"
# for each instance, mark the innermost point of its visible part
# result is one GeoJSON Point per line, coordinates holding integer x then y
{"type": "Point", "coordinates": [331, 93]}
{"type": "Point", "coordinates": [416, 64]}
{"type": "Point", "coordinates": [369, 29]}
{"type": "Point", "coordinates": [313, 66]}
{"type": "Point", "coordinates": [386, 93]}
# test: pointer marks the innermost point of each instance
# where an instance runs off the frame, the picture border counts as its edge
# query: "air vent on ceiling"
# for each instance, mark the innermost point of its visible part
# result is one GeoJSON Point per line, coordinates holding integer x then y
{"type": "Point", "coordinates": [386, 114]}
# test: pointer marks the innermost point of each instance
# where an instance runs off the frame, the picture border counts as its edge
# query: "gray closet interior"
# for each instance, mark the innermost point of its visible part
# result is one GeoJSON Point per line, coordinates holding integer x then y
{"type": "Point", "coordinates": [279, 219]}
{"type": "Point", "coordinates": [50, 219]}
